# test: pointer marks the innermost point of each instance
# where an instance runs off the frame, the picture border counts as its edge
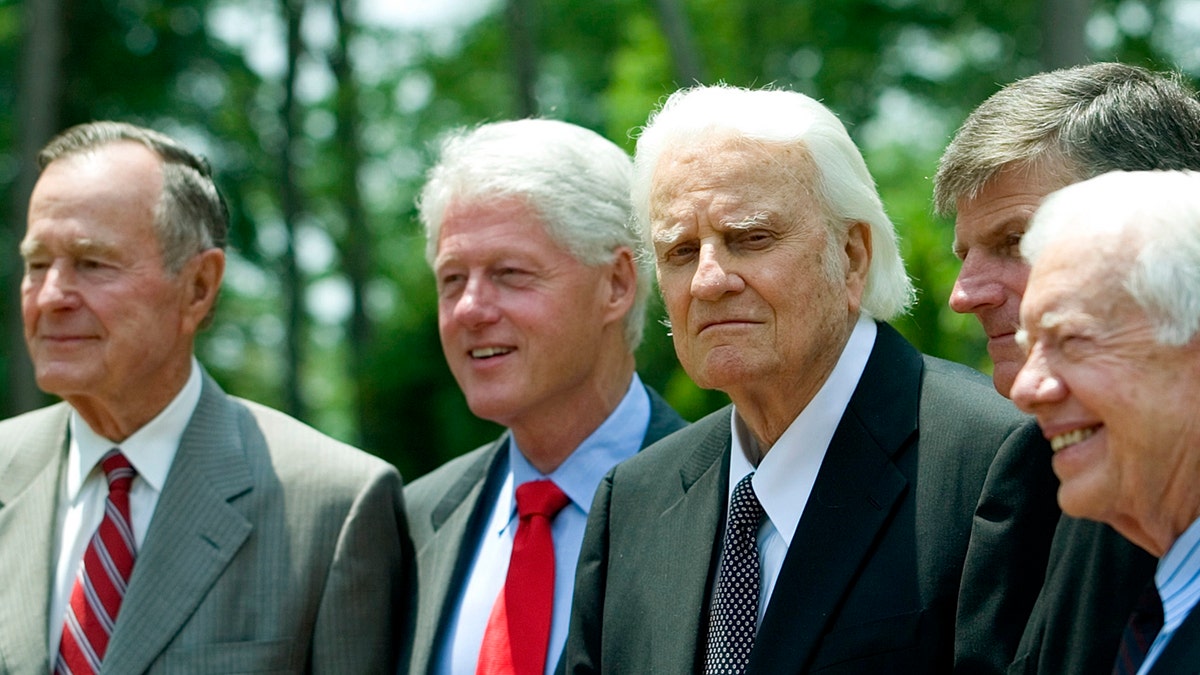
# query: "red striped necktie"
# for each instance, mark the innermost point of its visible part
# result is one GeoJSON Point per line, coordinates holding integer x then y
{"type": "Point", "coordinates": [103, 576]}
{"type": "Point", "coordinates": [518, 630]}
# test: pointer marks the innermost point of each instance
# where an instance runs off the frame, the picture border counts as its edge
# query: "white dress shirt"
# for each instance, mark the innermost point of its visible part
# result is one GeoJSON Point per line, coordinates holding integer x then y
{"type": "Point", "coordinates": [784, 478]}
{"type": "Point", "coordinates": [617, 439]}
{"type": "Point", "coordinates": [1178, 582]}
{"type": "Point", "coordinates": [84, 488]}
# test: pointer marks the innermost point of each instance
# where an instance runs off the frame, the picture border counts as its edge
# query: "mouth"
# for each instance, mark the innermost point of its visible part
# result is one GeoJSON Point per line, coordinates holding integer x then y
{"type": "Point", "coordinates": [1072, 437]}
{"type": "Point", "coordinates": [490, 352]}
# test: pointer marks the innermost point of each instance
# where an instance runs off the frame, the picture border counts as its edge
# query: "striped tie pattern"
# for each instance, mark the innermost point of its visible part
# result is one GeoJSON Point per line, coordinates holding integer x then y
{"type": "Point", "coordinates": [103, 576]}
{"type": "Point", "coordinates": [1139, 634]}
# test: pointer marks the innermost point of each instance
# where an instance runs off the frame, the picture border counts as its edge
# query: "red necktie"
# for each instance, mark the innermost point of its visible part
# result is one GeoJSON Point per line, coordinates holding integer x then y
{"type": "Point", "coordinates": [103, 575]}
{"type": "Point", "coordinates": [518, 630]}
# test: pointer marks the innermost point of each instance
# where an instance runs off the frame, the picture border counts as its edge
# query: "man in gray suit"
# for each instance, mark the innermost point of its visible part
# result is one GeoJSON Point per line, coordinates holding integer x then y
{"type": "Point", "coordinates": [257, 543]}
{"type": "Point", "coordinates": [821, 523]}
{"type": "Point", "coordinates": [541, 304]}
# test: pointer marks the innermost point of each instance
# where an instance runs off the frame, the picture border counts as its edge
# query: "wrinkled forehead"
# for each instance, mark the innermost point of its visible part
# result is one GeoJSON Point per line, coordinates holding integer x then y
{"type": "Point", "coordinates": [731, 169]}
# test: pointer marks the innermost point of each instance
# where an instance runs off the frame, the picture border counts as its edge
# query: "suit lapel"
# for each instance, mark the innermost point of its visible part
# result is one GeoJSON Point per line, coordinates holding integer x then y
{"type": "Point", "coordinates": [29, 484]}
{"type": "Point", "coordinates": [854, 495]}
{"type": "Point", "coordinates": [691, 525]}
{"type": "Point", "coordinates": [1182, 653]}
{"type": "Point", "coordinates": [447, 555]}
{"type": "Point", "coordinates": [194, 534]}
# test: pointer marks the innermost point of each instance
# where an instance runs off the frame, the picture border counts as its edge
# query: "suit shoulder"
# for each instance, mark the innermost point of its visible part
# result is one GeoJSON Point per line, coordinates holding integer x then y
{"type": "Point", "coordinates": [14, 429]}
{"type": "Point", "coordinates": [427, 490]}
{"type": "Point", "coordinates": [676, 447]}
{"type": "Point", "coordinates": [952, 387]}
{"type": "Point", "coordinates": [292, 444]}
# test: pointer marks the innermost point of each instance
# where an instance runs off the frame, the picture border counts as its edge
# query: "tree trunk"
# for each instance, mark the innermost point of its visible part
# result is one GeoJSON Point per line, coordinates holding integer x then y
{"type": "Point", "coordinates": [1063, 25]}
{"type": "Point", "coordinates": [689, 65]}
{"type": "Point", "coordinates": [38, 100]}
{"type": "Point", "coordinates": [519, 15]}
{"type": "Point", "coordinates": [356, 247]}
{"type": "Point", "coordinates": [289, 198]}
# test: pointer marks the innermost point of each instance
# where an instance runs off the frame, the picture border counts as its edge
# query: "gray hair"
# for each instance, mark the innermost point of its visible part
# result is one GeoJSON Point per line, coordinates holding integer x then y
{"type": "Point", "coordinates": [575, 180]}
{"type": "Point", "coordinates": [1161, 210]}
{"type": "Point", "coordinates": [191, 215]}
{"type": "Point", "coordinates": [1083, 121]}
{"type": "Point", "coordinates": [786, 118]}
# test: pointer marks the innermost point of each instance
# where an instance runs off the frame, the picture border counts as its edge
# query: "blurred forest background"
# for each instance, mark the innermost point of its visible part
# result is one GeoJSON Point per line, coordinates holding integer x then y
{"type": "Point", "coordinates": [320, 115]}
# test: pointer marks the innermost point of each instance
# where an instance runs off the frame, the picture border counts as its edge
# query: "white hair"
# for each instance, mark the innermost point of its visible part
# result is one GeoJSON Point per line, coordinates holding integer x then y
{"type": "Point", "coordinates": [1161, 210]}
{"type": "Point", "coordinates": [785, 118]}
{"type": "Point", "coordinates": [575, 180]}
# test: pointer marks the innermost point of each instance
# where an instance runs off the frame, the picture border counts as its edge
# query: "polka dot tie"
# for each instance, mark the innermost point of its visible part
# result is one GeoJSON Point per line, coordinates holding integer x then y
{"type": "Point", "coordinates": [733, 618]}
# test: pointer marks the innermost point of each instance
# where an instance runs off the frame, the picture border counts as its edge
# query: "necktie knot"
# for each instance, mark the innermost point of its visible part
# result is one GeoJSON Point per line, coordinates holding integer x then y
{"type": "Point", "coordinates": [117, 470]}
{"type": "Point", "coordinates": [540, 498]}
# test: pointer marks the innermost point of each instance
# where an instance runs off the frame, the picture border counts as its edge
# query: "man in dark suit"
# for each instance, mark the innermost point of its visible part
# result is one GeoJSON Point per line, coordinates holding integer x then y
{"type": "Point", "coordinates": [152, 523]}
{"type": "Point", "coordinates": [540, 307]}
{"type": "Point", "coordinates": [1111, 326]}
{"type": "Point", "coordinates": [1028, 139]}
{"type": "Point", "coordinates": [850, 465]}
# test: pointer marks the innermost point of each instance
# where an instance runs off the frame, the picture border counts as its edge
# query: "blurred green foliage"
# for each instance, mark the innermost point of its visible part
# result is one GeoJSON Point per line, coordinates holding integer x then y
{"type": "Point", "coordinates": [901, 73]}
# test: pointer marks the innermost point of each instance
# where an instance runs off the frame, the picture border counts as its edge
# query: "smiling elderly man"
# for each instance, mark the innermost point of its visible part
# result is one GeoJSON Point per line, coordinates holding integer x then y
{"type": "Point", "coordinates": [822, 521]}
{"type": "Point", "coordinates": [1111, 323]}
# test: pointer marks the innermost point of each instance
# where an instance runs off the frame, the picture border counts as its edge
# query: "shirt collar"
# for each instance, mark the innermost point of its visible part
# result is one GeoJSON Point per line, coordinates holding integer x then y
{"type": "Point", "coordinates": [1176, 577]}
{"type": "Point", "coordinates": [150, 449]}
{"type": "Point", "coordinates": [617, 439]}
{"type": "Point", "coordinates": [796, 457]}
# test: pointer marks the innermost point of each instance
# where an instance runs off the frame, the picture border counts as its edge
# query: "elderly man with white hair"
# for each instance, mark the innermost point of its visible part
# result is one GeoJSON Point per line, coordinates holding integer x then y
{"type": "Point", "coordinates": [1110, 322]}
{"type": "Point", "coordinates": [821, 522]}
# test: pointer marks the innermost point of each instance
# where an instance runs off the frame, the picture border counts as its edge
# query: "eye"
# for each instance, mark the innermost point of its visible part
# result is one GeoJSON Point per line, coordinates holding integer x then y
{"type": "Point", "coordinates": [1012, 244]}
{"type": "Point", "coordinates": [753, 240]}
{"type": "Point", "coordinates": [448, 282]}
{"type": "Point", "coordinates": [680, 254]}
{"type": "Point", "coordinates": [513, 276]}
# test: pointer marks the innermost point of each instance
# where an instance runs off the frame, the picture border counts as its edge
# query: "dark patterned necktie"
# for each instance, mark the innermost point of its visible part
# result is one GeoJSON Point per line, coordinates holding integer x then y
{"type": "Point", "coordinates": [1144, 625]}
{"type": "Point", "coordinates": [733, 618]}
{"type": "Point", "coordinates": [103, 575]}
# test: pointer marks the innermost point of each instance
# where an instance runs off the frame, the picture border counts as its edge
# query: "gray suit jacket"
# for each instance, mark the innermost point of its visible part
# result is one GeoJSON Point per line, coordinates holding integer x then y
{"type": "Point", "coordinates": [871, 581]}
{"type": "Point", "coordinates": [448, 508]}
{"type": "Point", "coordinates": [273, 548]}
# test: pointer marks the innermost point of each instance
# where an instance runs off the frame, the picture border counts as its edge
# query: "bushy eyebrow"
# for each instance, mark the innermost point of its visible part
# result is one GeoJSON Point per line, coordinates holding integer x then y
{"type": "Point", "coordinates": [671, 235]}
{"type": "Point", "coordinates": [78, 247]}
{"type": "Point", "coordinates": [757, 220]}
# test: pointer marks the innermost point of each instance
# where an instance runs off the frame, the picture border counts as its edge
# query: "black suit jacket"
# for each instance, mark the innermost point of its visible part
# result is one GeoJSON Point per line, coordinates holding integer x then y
{"type": "Point", "coordinates": [447, 510]}
{"type": "Point", "coordinates": [1092, 584]}
{"type": "Point", "coordinates": [1182, 654]}
{"type": "Point", "coordinates": [871, 581]}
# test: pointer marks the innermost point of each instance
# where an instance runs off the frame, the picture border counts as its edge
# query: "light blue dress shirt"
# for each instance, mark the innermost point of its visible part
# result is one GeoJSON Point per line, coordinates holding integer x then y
{"type": "Point", "coordinates": [617, 439]}
{"type": "Point", "coordinates": [1178, 582]}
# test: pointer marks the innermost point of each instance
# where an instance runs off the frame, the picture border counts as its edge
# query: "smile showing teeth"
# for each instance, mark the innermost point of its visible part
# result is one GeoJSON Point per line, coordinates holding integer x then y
{"type": "Point", "coordinates": [1071, 438]}
{"type": "Point", "coordinates": [489, 351]}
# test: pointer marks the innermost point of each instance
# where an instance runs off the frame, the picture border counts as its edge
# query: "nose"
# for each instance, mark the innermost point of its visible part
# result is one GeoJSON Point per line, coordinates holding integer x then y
{"type": "Point", "coordinates": [1036, 384]}
{"type": "Point", "coordinates": [476, 305]}
{"type": "Point", "coordinates": [977, 286]}
{"type": "Point", "coordinates": [713, 278]}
